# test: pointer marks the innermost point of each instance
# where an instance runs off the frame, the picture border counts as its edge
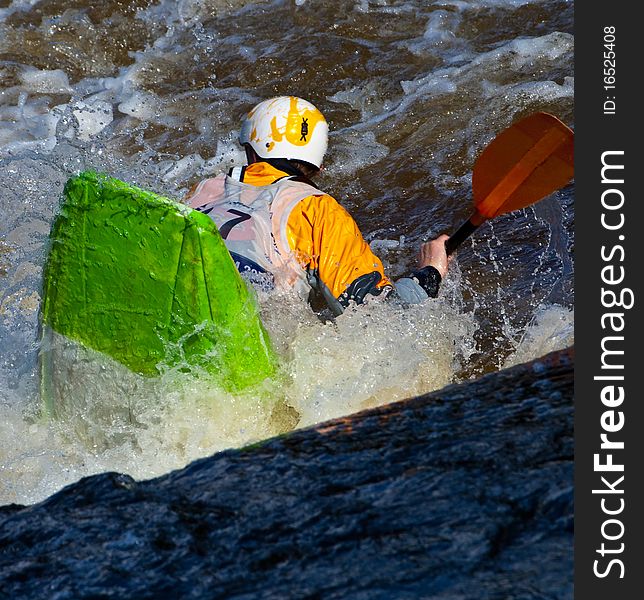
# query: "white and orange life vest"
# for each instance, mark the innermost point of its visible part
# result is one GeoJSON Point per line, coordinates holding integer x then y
{"type": "Point", "coordinates": [253, 222]}
{"type": "Point", "coordinates": [290, 229]}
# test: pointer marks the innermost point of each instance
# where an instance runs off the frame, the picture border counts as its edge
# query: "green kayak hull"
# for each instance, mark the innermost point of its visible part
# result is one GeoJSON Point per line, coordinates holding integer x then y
{"type": "Point", "coordinates": [150, 283]}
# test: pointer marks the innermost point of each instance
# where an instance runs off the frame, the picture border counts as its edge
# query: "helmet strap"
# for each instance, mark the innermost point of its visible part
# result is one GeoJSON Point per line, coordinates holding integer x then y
{"type": "Point", "coordinates": [251, 155]}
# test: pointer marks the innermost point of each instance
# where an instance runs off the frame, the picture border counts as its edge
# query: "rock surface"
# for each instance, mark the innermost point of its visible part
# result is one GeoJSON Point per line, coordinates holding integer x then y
{"type": "Point", "coordinates": [465, 493]}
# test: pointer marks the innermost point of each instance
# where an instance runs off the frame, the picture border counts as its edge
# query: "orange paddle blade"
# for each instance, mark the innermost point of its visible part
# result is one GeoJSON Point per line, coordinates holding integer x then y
{"type": "Point", "coordinates": [523, 164]}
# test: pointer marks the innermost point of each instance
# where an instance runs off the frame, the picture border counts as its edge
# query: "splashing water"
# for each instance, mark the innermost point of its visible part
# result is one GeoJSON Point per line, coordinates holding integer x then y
{"type": "Point", "coordinates": [152, 93]}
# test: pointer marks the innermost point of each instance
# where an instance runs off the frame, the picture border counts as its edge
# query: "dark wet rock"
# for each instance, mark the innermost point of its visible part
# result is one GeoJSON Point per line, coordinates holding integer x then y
{"type": "Point", "coordinates": [466, 493]}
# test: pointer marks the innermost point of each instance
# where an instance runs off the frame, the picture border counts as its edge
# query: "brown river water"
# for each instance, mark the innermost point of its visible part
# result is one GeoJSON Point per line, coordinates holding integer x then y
{"type": "Point", "coordinates": [153, 93]}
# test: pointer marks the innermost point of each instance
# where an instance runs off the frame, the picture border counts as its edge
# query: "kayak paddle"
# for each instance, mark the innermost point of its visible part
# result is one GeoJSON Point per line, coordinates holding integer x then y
{"type": "Point", "coordinates": [526, 162]}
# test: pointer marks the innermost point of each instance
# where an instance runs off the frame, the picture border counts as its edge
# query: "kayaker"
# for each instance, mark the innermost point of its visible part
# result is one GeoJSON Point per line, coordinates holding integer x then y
{"type": "Point", "coordinates": [275, 220]}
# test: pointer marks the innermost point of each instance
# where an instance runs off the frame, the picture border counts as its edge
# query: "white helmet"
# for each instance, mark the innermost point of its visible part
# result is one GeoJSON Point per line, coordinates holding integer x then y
{"type": "Point", "coordinates": [286, 127]}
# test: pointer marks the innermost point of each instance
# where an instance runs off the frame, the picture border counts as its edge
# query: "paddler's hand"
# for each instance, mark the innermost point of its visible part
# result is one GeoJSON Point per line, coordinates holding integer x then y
{"type": "Point", "coordinates": [433, 254]}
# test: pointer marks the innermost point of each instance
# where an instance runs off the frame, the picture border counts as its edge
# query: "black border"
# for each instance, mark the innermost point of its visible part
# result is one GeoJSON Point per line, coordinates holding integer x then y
{"type": "Point", "coordinates": [595, 133]}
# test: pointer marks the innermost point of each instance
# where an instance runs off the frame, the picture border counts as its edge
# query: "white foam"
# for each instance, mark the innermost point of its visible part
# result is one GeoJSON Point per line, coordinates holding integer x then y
{"type": "Point", "coordinates": [182, 168]}
{"type": "Point", "coordinates": [477, 4]}
{"type": "Point", "coordinates": [92, 118]}
{"type": "Point", "coordinates": [552, 328]}
{"type": "Point", "coordinates": [382, 6]}
{"type": "Point", "coordinates": [27, 126]}
{"type": "Point", "coordinates": [439, 37]}
{"type": "Point", "coordinates": [353, 150]}
{"type": "Point", "coordinates": [547, 91]}
{"type": "Point", "coordinates": [227, 154]}
{"type": "Point", "coordinates": [374, 355]}
{"type": "Point", "coordinates": [139, 104]}
{"type": "Point", "coordinates": [45, 81]}
{"type": "Point", "coordinates": [441, 26]}
{"type": "Point", "coordinates": [17, 6]}
{"type": "Point", "coordinates": [365, 98]}
{"type": "Point", "coordinates": [518, 54]}
{"type": "Point", "coordinates": [378, 245]}
{"type": "Point", "coordinates": [430, 85]}
{"type": "Point", "coordinates": [114, 420]}
{"type": "Point", "coordinates": [32, 125]}
{"type": "Point", "coordinates": [190, 13]}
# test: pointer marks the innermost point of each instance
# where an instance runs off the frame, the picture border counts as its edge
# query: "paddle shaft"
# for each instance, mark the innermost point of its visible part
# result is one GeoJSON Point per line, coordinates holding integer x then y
{"type": "Point", "coordinates": [460, 235]}
{"type": "Point", "coordinates": [464, 231]}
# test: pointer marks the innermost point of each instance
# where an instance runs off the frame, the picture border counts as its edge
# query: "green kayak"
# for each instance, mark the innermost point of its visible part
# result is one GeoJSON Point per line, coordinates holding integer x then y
{"type": "Point", "coordinates": [150, 283]}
